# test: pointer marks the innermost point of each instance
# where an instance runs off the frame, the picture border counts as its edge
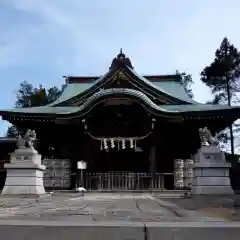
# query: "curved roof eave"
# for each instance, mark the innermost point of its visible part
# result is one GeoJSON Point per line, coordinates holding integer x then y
{"type": "Point", "coordinates": [48, 110]}
{"type": "Point", "coordinates": [145, 100]}
{"type": "Point", "coordinates": [125, 92]}
{"type": "Point", "coordinates": [160, 110]}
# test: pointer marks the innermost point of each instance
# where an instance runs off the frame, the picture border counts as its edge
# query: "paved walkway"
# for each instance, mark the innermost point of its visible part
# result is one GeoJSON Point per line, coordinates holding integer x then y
{"type": "Point", "coordinates": [97, 208]}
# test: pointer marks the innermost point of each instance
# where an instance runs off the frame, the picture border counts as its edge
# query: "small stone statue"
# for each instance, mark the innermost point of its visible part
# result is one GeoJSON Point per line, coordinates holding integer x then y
{"type": "Point", "coordinates": [28, 139]}
{"type": "Point", "coordinates": [206, 137]}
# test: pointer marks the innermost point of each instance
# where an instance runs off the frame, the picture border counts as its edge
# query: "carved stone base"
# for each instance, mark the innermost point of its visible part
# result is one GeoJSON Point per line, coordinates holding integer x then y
{"type": "Point", "coordinates": [24, 174]}
{"type": "Point", "coordinates": [211, 172]}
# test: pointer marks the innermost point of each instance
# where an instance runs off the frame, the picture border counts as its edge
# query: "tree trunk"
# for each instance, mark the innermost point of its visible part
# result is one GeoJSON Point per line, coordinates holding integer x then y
{"type": "Point", "coordinates": [230, 126]}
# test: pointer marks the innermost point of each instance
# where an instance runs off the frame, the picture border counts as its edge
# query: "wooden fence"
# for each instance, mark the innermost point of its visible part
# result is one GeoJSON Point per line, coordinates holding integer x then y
{"type": "Point", "coordinates": [124, 181]}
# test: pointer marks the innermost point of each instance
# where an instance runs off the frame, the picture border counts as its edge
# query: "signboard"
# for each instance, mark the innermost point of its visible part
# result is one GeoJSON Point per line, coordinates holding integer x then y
{"type": "Point", "coordinates": [81, 165]}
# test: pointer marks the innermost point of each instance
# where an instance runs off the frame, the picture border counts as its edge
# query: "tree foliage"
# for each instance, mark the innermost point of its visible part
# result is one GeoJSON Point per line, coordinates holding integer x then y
{"type": "Point", "coordinates": [12, 132]}
{"type": "Point", "coordinates": [29, 96]}
{"type": "Point", "coordinates": [223, 77]}
{"type": "Point", "coordinates": [223, 72]}
{"type": "Point", "coordinates": [186, 81]}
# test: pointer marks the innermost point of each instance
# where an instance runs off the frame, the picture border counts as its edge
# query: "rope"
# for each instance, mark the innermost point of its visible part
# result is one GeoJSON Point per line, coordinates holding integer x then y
{"type": "Point", "coordinates": [118, 138]}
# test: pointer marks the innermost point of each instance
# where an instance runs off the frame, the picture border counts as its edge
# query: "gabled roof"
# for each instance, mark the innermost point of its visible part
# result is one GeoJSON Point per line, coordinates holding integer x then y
{"type": "Point", "coordinates": [88, 94]}
{"type": "Point", "coordinates": [91, 79]}
{"type": "Point", "coordinates": [168, 87]}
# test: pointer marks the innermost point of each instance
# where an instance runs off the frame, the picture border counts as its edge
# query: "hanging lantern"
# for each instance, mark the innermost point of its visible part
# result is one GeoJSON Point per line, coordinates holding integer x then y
{"type": "Point", "coordinates": [153, 123]}
{"type": "Point", "coordinates": [123, 144]}
{"type": "Point", "coordinates": [112, 143]}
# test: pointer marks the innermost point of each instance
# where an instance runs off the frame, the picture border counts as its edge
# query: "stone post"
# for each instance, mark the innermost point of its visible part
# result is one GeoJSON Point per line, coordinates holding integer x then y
{"type": "Point", "coordinates": [24, 173]}
{"type": "Point", "coordinates": [178, 174]}
{"type": "Point", "coordinates": [211, 172]}
{"type": "Point", "coordinates": [188, 173]}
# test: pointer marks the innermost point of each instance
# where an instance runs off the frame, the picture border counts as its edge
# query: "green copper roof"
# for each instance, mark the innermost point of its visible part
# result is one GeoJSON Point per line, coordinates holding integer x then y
{"type": "Point", "coordinates": [70, 91]}
{"type": "Point", "coordinates": [174, 88]}
{"type": "Point", "coordinates": [74, 89]}
{"type": "Point", "coordinates": [163, 108]}
{"type": "Point", "coordinates": [171, 88]}
{"type": "Point", "coordinates": [90, 94]}
{"type": "Point", "coordinates": [196, 108]}
{"type": "Point", "coordinates": [43, 110]}
{"type": "Point", "coordinates": [139, 96]}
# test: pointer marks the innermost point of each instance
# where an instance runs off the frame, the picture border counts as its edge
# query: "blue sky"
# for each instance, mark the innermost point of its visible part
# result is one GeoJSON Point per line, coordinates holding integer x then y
{"type": "Point", "coordinates": [42, 40]}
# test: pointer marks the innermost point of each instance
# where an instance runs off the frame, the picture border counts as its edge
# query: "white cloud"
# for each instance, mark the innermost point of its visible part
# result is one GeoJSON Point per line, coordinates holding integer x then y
{"type": "Point", "coordinates": [14, 52]}
{"type": "Point", "coordinates": [159, 36]}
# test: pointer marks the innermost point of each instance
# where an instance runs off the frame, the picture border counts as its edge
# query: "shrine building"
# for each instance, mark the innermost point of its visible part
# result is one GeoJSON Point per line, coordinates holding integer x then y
{"type": "Point", "coordinates": [128, 129]}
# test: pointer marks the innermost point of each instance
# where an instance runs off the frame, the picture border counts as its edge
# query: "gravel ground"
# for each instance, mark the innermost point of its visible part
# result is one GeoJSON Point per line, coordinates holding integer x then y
{"type": "Point", "coordinates": [227, 207]}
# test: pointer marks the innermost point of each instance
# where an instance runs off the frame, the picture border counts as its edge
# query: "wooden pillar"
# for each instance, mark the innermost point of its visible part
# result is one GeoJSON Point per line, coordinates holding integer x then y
{"type": "Point", "coordinates": [153, 165]}
{"type": "Point", "coordinates": [152, 160]}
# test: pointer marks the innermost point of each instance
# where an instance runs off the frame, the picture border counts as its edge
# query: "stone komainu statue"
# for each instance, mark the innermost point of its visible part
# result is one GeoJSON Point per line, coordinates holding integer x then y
{"type": "Point", "coordinates": [28, 140]}
{"type": "Point", "coordinates": [206, 137]}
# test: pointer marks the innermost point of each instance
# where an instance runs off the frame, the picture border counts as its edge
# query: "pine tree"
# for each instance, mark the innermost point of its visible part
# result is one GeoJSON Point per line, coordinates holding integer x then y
{"type": "Point", "coordinates": [12, 132]}
{"type": "Point", "coordinates": [222, 76]}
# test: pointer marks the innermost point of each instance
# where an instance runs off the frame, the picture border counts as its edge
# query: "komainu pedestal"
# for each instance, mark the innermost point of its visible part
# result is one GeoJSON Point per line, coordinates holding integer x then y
{"type": "Point", "coordinates": [211, 172]}
{"type": "Point", "coordinates": [24, 173]}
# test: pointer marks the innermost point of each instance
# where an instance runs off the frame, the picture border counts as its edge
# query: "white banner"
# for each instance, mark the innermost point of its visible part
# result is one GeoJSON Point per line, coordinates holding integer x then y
{"type": "Point", "coordinates": [81, 165]}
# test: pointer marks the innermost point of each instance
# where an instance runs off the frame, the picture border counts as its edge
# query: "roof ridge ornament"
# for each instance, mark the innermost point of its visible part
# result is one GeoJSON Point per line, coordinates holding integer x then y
{"type": "Point", "coordinates": [120, 60]}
